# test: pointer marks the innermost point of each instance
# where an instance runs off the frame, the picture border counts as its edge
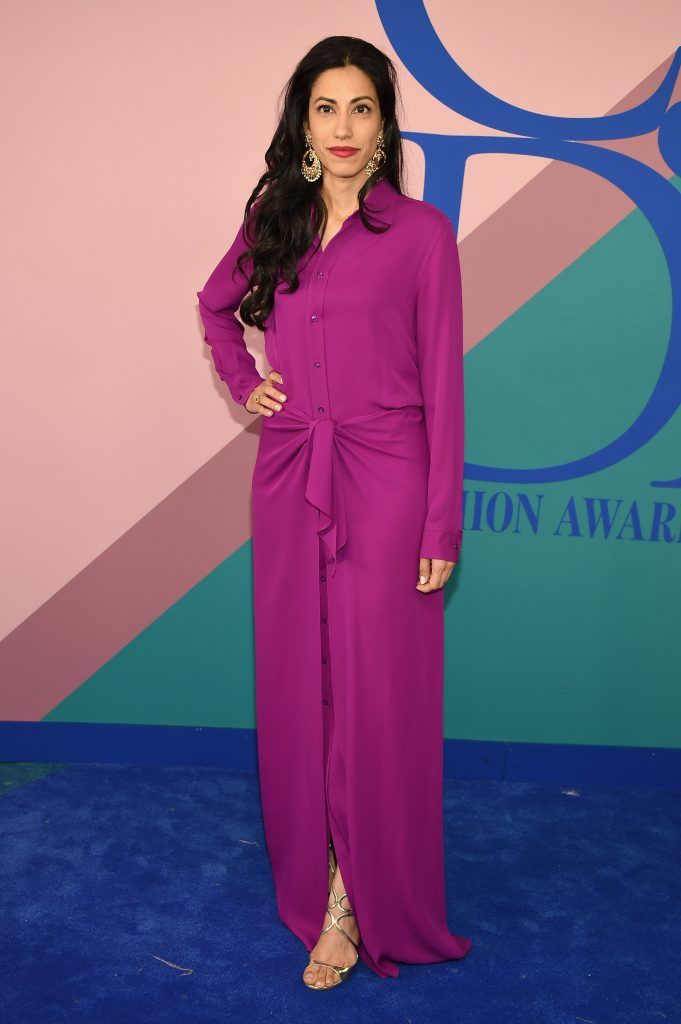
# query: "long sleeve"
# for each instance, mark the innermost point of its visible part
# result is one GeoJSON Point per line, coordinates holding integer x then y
{"type": "Point", "coordinates": [219, 301]}
{"type": "Point", "coordinates": [439, 335]}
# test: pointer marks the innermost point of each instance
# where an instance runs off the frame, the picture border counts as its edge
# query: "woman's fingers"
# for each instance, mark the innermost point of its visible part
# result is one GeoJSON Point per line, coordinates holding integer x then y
{"type": "Point", "coordinates": [265, 404]}
{"type": "Point", "coordinates": [424, 571]}
{"type": "Point", "coordinates": [270, 397]}
{"type": "Point", "coordinates": [436, 572]}
{"type": "Point", "coordinates": [276, 394]}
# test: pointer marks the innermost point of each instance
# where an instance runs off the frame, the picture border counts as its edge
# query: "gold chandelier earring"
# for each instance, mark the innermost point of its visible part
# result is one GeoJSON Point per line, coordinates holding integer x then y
{"type": "Point", "coordinates": [378, 158]}
{"type": "Point", "coordinates": [310, 166]}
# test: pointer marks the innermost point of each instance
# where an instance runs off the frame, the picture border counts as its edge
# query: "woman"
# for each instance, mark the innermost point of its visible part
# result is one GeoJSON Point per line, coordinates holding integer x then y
{"type": "Point", "coordinates": [357, 501]}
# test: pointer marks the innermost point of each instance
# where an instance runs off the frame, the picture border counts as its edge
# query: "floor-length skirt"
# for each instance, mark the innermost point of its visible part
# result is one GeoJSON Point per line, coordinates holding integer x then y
{"type": "Point", "coordinates": [349, 680]}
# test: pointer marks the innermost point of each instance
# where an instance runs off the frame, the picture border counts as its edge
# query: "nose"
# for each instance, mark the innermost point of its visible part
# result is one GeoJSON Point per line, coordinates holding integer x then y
{"type": "Point", "coordinates": [342, 129]}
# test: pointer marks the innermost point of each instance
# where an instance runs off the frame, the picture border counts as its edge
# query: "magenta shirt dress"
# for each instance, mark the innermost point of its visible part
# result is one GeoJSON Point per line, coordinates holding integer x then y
{"type": "Point", "coordinates": [359, 474]}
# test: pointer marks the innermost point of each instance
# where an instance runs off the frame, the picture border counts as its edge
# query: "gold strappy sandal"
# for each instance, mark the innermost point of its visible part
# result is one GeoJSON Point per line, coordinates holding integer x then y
{"type": "Point", "coordinates": [342, 972]}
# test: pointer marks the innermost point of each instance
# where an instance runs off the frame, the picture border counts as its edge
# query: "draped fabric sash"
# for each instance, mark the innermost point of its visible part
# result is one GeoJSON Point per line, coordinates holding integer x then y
{"type": "Point", "coordinates": [322, 437]}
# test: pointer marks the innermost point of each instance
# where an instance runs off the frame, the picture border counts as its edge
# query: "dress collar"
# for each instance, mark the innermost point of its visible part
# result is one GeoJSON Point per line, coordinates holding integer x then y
{"type": "Point", "coordinates": [379, 204]}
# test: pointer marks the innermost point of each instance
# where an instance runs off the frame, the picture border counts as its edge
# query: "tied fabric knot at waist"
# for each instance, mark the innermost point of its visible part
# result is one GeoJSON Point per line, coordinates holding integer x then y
{"type": "Point", "coordinates": [324, 489]}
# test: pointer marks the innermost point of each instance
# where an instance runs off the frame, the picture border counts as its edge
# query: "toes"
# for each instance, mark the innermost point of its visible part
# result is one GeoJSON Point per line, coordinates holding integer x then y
{"type": "Point", "coordinates": [316, 975]}
{"type": "Point", "coordinates": [311, 975]}
{"type": "Point", "coordinates": [320, 977]}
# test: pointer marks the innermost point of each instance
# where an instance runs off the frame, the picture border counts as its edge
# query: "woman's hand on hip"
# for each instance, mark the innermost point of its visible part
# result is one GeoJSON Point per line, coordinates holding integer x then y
{"type": "Point", "coordinates": [433, 574]}
{"type": "Point", "coordinates": [269, 397]}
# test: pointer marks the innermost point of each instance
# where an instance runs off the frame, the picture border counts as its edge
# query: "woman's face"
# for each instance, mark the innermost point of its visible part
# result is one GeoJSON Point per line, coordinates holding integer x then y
{"type": "Point", "coordinates": [343, 112]}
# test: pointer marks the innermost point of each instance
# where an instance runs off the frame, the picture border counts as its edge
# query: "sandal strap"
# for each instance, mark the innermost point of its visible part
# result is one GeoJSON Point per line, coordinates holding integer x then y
{"type": "Point", "coordinates": [342, 930]}
{"type": "Point", "coordinates": [332, 967]}
{"type": "Point", "coordinates": [335, 920]}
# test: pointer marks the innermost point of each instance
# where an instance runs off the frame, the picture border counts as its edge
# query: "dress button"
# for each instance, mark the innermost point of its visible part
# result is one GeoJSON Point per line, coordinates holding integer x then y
{"type": "Point", "coordinates": [322, 578]}
{"type": "Point", "coordinates": [320, 273]}
{"type": "Point", "coordinates": [320, 408]}
{"type": "Point", "coordinates": [313, 317]}
{"type": "Point", "coordinates": [316, 364]}
{"type": "Point", "coordinates": [323, 661]}
{"type": "Point", "coordinates": [323, 620]}
{"type": "Point", "coordinates": [325, 702]}
{"type": "Point", "coordinates": [241, 396]}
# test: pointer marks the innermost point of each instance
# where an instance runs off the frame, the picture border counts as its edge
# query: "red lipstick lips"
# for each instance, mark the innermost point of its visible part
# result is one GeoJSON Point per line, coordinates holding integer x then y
{"type": "Point", "coordinates": [342, 150]}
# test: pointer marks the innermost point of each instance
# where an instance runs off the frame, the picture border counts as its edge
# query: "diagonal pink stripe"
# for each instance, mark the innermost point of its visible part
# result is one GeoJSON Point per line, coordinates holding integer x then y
{"type": "Point", "coordinates": [129, 585]}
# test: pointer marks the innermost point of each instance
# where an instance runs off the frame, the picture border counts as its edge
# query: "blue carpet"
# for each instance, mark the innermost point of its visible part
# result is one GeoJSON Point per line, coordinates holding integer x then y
{"type": "Point", "coordinates": [144, 893]}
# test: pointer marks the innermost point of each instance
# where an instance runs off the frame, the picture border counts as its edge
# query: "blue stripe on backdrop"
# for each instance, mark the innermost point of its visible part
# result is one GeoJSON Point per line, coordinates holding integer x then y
{"type": "Point", "coordinates": [105, 743]}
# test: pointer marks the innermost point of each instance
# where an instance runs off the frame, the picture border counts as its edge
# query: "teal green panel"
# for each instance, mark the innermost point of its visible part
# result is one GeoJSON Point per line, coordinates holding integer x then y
{"type": "Point", "coordinates": [192, 666]}
{"type": "Point", "coordinates": [555, 635]}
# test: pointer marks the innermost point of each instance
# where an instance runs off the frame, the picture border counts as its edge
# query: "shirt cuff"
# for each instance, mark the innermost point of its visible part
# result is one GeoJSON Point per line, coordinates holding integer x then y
{"type": "Point", "coordinates": [242, 390]}
{"type": "Point", "coordinates": [444, 544]}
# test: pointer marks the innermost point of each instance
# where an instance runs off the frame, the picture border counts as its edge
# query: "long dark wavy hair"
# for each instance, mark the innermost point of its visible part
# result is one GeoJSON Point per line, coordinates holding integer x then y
{"type": "Point", "coordinates": [280, 228]}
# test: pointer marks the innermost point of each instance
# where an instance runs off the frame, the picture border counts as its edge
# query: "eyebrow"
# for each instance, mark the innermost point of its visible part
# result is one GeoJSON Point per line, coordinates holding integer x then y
{"type": "Point", "coordinates": [328, 100]}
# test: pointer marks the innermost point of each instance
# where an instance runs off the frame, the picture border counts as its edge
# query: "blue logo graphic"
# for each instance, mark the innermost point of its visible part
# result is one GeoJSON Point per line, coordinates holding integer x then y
{"type": "Point", "coordinates": [559, 138]}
